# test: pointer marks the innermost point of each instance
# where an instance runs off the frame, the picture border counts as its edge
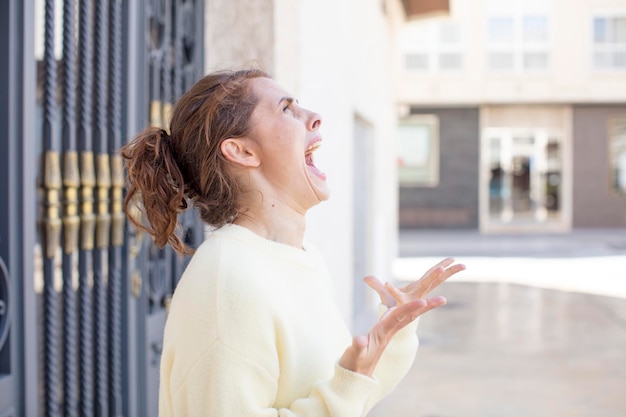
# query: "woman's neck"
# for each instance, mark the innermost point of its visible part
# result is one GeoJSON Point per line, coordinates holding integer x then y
{"type": "Point", "coordinates": [274, 221]}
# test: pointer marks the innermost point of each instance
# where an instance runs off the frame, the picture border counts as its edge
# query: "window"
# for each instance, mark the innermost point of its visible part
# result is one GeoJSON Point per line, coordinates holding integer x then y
{"type": "Point", "coordinates": [535, 29]}
{"type": "Point", "coordinates": [609, 42]}
{"type": "Point", "coordinates": [519, 42]}
{"type": "Point", "coordinates": [500, 29]}
{"type": "Point", "coordinates": [416, 61]}
{"type": "Point", "coordinates": [418, 151]}
{"type": "Point", "coordinates": [430, 46]}
{"type": "Point", "coordinates": [617, 155]}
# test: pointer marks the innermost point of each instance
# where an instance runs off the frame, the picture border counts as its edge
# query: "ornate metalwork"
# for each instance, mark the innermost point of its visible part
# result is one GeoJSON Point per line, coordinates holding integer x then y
{"type": "Point", "coordinates": [52, 219]}
{"type": "Point", "coordinates": [52, 203]}
{"type": "Point", "coordinates": [5, 303]}
{"type": "Point", "coordinates": [156, 113]}
{"type": "Point", "coordinates": [156, 276]}
{"type": "Point", "coordinates": [117, 215]}
{"type": "Point", "coordinates": [87, 216]}
{"type": "Point", "coordinates": [71, 220]}
{"type": "Point", "coordinates": [167, 116]}
{"type": "Point", "coordinates": [103, 219]}
{"type": "Point", "coordinates": [189, 40]}
{"type": "Point", "coordinates": [136, 283]}
{"type": "Point", "coordinates": [134, 250]}
{"type": "Point", "coordinates": [117, 201]}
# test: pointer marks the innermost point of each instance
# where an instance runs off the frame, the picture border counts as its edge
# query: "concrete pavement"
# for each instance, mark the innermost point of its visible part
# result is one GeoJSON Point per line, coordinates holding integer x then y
{"type": "Point", "coordinates": [535, 327]}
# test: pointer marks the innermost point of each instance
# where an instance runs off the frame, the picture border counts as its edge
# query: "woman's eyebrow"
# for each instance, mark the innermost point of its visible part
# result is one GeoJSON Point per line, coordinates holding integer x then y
{"type": "Point", "coordinates": [288, 100]}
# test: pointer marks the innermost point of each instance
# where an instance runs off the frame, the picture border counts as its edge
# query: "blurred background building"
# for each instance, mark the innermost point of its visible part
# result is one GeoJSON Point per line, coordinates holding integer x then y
{"type": "Point", "coordinates": [513, 116]}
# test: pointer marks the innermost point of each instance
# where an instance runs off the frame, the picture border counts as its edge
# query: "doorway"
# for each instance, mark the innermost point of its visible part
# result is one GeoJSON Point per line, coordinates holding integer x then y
{"type": "Point", "coordinates": [522, 171]}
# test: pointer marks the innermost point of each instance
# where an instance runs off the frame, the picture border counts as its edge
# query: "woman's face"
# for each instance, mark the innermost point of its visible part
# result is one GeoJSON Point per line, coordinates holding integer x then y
{"type": "Point", "coordinates": [286, 136]}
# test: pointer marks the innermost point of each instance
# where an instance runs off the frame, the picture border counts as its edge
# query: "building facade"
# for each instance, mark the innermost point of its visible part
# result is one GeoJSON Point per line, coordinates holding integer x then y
{"type": "Point", "coordinates": [521, 109]}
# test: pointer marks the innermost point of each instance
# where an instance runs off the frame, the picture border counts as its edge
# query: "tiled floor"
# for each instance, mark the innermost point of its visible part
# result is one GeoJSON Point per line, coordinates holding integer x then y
{"type": "Point", "coordinates": [536, 327]}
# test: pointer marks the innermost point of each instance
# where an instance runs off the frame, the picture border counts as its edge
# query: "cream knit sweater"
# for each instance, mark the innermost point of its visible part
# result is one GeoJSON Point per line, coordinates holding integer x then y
{"type": "Point", "coordinates": [253, 331]}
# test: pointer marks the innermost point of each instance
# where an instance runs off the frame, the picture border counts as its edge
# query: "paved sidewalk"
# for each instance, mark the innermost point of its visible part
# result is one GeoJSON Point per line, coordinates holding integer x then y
{"type": "Point", "coordinates": [536, 327]}
{"type": "Point", "coordinates": [588, 261]}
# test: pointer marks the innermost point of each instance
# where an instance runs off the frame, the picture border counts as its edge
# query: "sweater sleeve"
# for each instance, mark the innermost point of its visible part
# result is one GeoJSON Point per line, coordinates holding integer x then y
{"type": "Point", "coordinates": [226, 383]}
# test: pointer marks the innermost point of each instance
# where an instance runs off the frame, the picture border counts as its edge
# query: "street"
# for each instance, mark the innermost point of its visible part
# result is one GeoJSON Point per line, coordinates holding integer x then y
{"type": "Point", "coordinates": [535, 327]}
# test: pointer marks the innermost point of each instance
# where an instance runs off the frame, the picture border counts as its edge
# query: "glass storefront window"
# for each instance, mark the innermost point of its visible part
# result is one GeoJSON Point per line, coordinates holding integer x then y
{"type": "Point", "coordinates": [524, 176]}
{"type": "Point", "coordinates": [418, 151]}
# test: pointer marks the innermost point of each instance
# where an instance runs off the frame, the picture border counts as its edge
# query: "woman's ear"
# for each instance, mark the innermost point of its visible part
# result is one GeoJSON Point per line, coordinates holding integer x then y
{"type": "Point", "coordinates": [240, 151]}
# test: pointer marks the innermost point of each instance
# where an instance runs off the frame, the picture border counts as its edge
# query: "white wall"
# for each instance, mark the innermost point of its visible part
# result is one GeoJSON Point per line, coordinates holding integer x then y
{"type": "Point", "coordinates": [344, 72]}
{"type": "Point", "coordinates": [334, 57]}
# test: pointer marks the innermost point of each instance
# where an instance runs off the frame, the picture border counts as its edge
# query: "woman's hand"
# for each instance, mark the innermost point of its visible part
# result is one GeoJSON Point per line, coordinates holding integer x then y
{"type": "Point", "coordinates": [365, 351]}
{"type": "Point", "coordinates": [405, 305]}
{"type": "Point", "coordinates": [391, 296]}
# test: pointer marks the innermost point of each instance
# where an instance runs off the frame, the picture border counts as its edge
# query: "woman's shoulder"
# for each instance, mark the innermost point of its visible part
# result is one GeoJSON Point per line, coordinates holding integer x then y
{"type": "Point", "coordinates": [235, 261]}
{"type": "Point", "coordinates": [222, 264]}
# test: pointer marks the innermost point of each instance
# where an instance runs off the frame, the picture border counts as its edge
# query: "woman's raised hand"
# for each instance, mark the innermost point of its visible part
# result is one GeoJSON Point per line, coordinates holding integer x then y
{"type": "Point", "coordinates": [365, 351]}
{"type": "Point", "coordinates": [405, 305]}
{"type": "Point", "coordinates": [392, 296]}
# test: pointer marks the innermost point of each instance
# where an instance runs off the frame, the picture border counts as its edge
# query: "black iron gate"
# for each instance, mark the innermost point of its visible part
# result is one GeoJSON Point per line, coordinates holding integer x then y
{"type": "Point", "coordinates": [83, 297]}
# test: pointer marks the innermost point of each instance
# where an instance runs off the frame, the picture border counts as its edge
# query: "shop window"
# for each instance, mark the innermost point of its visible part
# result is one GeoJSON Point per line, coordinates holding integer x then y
{"type": "Point", "coordinates": [617, 155]}
{"type": "Point", "coordinates": [418, 151]}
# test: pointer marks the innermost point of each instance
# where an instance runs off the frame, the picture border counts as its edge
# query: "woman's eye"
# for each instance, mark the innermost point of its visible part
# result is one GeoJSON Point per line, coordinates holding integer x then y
{"type": "Point", "coordinates": [287, 107]}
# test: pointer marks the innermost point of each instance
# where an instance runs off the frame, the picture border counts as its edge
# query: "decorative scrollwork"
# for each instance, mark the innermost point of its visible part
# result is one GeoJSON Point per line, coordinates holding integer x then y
{"type": "Point", "coordinates": [156, 18]}
{"type": "Point", "coordinates": [156, 275]}
{"type": "Point", "coordinates": [189, 31]}
{"type": "Point", "coordinates": [5, 306]}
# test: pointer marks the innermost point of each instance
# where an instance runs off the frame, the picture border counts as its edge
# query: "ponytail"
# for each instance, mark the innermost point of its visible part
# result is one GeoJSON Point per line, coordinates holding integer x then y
{"type": "Point", "coordinates": [156, 186]}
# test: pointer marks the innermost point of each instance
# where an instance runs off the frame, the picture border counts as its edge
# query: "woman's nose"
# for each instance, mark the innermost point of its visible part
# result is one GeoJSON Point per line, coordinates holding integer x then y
{"type": "Point", "coordinates": [315, 121]}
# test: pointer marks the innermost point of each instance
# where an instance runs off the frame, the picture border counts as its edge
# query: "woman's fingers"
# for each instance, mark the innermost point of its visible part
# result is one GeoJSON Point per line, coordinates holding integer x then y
{"type": "Point", "coordinates": [398, 317]}
{"type": "Point", "coordinates": [443, 264]}
{"type": "Point", "coordinates": [434, 270]}
{"type": "Point", "coordinates": [385, 298]}
{"type": "Point", "coordinates": [433, 278]}
{"type": "Point", "coordinates": [399, 296]}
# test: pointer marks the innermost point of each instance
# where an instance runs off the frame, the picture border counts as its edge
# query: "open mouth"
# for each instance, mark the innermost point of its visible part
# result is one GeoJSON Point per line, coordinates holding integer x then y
{"type": "Point", "coordinates": [308, 157]}
{"type": "Point", "coordinates": [308, 154]}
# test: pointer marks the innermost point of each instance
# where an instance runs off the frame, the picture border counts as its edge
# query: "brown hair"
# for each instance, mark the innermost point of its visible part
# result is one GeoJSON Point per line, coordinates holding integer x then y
{"type": "Point", "coordinates": [164, 171]}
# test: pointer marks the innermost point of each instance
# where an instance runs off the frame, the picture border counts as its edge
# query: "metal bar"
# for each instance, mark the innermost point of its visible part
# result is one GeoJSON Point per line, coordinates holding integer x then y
{"type": "Point", "coordinates": [71, 221]}
{"type": "Point", "coordinates": [87, 227]}
{"type": "Point", "coordinates": [23, 218]}
{"type": "Point", "coordinates": [178, 48]}
{"type": "Point", "coordinates": [191, 44]}
{"type": "Point", "coordinates": [155, 16]}
{"type": "Point", "coordinates": [51, 223]}
{"type": "Point", "coordinates": [135, 120]}
{"type": "Point", "coordinates": [117, 230]}
{"type": "Point", "coordinates": [103, 218]}
{"type": "Point", "coordinates": [166, 67]}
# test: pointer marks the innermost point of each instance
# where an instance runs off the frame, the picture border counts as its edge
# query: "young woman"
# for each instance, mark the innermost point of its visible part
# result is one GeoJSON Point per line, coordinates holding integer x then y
{"type": "Point", "coordinates": [252, 328]}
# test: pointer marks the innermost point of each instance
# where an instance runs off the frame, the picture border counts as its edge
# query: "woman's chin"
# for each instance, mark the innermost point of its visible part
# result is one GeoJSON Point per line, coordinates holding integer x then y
{"type": "Point", "coordinates": [322, 193]}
